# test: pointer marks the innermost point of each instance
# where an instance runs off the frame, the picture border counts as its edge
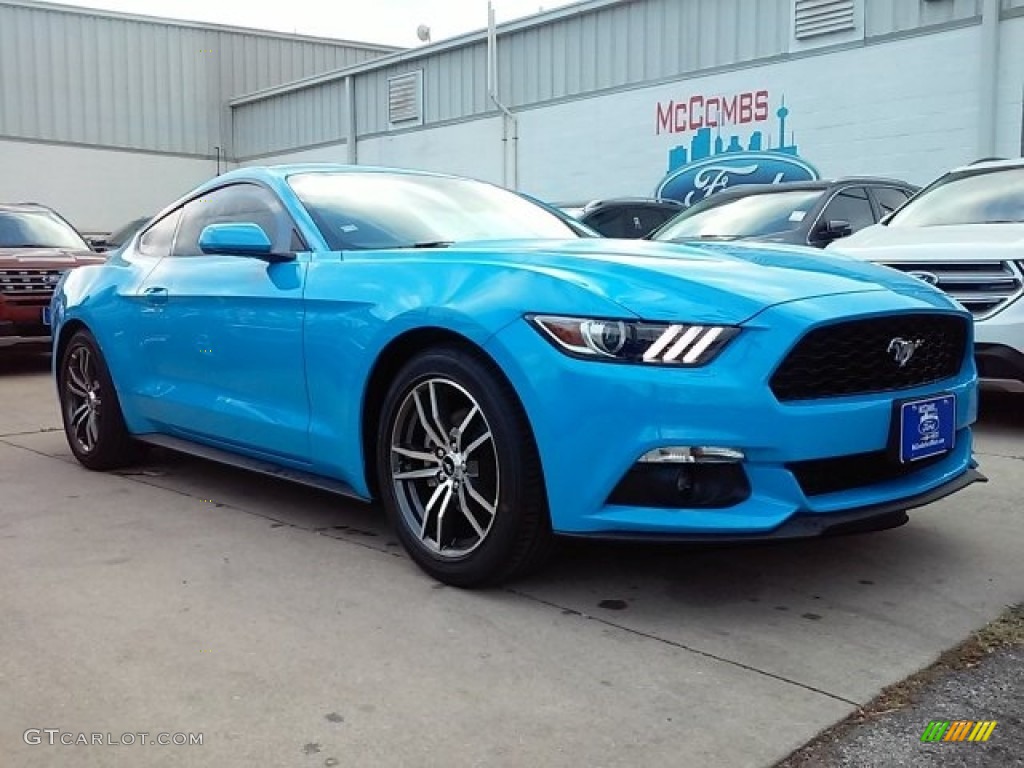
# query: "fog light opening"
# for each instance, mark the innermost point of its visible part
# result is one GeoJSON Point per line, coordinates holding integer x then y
{"type": "Point", "coordinates": [683, 485]}
{"type": "Point", "coordinates": [687, 454]}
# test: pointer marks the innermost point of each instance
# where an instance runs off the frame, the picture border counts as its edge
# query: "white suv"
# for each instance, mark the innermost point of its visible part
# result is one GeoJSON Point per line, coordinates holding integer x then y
{"type": "Point", "coordinates": [965, 234]}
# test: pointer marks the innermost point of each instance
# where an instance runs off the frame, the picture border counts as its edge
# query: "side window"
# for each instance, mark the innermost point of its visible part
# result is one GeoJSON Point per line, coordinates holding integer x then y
{"type": "Point", "coordinates": [850, 205]}
{"type": "Point", "coordinates": [889, 199]}
{"type": "Point", "coordinates": [235, 203]}
{"type": "Point", "coordinates": [647, 218]}
{"type": "Point", "coordinates": [612, 222]}
{"type": "Point", "coordinates": [158, 239]}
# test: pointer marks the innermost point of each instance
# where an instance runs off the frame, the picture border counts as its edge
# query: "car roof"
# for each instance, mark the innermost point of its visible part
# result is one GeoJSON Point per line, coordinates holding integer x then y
{"type": "Point", "coordinates": [991, 165]}
{"type": "Point", "coordinates": [25, 207]}
{"type": "Point", "coordinates": [817, 185]}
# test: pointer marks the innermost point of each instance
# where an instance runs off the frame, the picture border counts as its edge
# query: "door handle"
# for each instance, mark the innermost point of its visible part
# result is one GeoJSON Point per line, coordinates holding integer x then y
{"type": "Point", "coordinates": [155, 295]}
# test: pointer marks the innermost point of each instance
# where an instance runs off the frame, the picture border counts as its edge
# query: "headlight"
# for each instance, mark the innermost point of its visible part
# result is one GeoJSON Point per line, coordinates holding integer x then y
{"type": "Point", "coordinates": [635, 341]}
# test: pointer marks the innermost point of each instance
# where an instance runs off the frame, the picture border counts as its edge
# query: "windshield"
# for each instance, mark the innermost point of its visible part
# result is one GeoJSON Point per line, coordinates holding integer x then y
{"type": "Point", "coordinates": [37, 229]}
{"type": "Point", "coordinates": [750, 216]}
{"type": "Point", "coordinates": [968, 197]}
{"type": "Point", "coordinates": [357, 211]}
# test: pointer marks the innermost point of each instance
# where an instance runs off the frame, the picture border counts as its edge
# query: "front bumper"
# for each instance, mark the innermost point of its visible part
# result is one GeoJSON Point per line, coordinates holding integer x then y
{"type": "Point", "coordinates": [999, 348]}
{"type": "Point", "coordinates": [879, 517]}
{"type": "Point", "coordinates": [592, 421]}
{"type": "Point", "coordinates": [12, 334]}
{"type": "Point", "coordinates": [1000, 367]}
{"type": "Point", "coordinates": [21, 320]}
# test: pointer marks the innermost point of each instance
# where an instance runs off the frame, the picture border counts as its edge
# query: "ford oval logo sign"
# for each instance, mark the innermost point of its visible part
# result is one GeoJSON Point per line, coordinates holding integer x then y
{"type": "Point", "coordinates": [696, 181]}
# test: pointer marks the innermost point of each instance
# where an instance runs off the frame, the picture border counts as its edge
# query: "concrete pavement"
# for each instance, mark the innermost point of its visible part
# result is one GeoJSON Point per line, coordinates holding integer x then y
{"type": "Point", "coordinates": [286, 626]}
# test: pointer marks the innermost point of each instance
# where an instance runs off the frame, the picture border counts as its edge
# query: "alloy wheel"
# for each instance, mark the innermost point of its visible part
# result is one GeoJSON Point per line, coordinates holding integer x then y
{"type": "Point", "coordinates": [83, 398]}
{"type": "Point", "coordinates": [444, 468]}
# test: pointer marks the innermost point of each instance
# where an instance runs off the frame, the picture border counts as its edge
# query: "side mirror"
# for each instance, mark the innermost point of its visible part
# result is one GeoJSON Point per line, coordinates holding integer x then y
{"type": "Point", "coordinates": [239, 239]}
{"type": "Point", "coordinates": [833, 229]}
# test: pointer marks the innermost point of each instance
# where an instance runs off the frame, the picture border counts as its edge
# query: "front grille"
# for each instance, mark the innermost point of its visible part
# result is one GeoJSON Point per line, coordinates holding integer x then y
{"type": "Point", "coordinates": [983, 287]}
{"type": "Point", "coordinates": [15, 282]}
{"type": "Point", "coordinates": [821, 476]}
{"type": "Point", "coordinates": [858, 357]}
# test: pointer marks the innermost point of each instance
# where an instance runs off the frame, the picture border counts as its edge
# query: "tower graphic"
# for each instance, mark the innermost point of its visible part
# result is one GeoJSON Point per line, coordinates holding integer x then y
{"type": "Point", "coordinates": [703, 145]}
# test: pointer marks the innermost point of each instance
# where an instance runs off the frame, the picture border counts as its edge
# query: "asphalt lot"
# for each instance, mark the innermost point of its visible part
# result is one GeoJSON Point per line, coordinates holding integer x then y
{"type": "Point", "coordinates": [285, 625]}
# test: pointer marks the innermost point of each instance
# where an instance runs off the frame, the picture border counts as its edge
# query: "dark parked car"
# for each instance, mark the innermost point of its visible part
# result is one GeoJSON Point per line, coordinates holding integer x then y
{"type": "Point", "coordinates": [625, 217]}
{"type": "Point", "coordinates": [812, 213]}
{"type": "Point", "coordinates": [120, 236]}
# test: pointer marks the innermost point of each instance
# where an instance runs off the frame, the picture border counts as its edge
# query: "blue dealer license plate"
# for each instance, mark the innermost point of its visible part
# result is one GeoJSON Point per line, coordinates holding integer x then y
{"type": "Point", "coordinates": [927, 427]}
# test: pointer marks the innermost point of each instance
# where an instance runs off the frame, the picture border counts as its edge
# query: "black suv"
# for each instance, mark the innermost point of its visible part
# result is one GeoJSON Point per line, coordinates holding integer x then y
{"type": "Point", "coordinates": [624, 217]}
{"type": "Point", "coordinates": [812, 213]}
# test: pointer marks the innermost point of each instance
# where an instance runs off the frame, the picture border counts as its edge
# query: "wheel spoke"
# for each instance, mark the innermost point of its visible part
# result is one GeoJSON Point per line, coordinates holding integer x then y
{"type": "Point", "coordinates": [84, 366]}
{"type": "Point", "coordinates": [92, 429]}
{"type": "Point", "coordinates": [75, 378]}
{"type": "Point", "coordinates": [480, 499]}
{"type": "Point", "coordinates": [430, 504]}
{"type": "Point", "coordinates": [425, 422]}
{"type": "Point", "coordinates": [79, 415]}
{"type": "Point", "coordinates": [464, 507]}
{"type": "Point", "coordinates": [415, 474]}
{"type": "Point", "coordinates": [477, 443]}
{"type": "Point", "coordinates": [433, 410]}
{"type": "Point", "coordinates": [418, 455]}
{"type": "Point", "coordinates": [465, 422]}
{"type": "Point", "coordinates": [440, 514]}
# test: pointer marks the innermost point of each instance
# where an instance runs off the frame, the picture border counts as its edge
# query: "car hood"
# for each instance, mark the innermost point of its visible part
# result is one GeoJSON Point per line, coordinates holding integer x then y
{"type": "Point", "coordinates": [981, 242]}
{"type": "Point", "coordinates": [46, 258]}
{"type": "Point", "coordinates": [724, 282]}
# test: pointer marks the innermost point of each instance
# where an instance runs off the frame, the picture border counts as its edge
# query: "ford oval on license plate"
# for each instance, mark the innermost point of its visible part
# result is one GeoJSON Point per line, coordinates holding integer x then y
{"type": "Point", "coordinates": [927, 427]}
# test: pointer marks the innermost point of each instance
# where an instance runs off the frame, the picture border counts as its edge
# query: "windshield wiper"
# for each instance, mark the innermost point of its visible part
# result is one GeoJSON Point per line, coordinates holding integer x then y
{"type": "Point", "coordinates": [688, 238]}
{"type": "Point", "coordinates": [430, 244]}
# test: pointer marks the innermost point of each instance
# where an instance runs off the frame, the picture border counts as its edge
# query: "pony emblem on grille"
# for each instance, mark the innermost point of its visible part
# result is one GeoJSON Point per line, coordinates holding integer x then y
{"type": "Point", "coordinates": [901, 350]}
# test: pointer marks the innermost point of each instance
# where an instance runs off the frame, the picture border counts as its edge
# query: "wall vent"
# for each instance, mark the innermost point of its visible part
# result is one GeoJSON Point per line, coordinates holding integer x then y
{"type": "Point", "coordinates": [405, 99]}
{"type": "Point", "coordinates": [822, 17]}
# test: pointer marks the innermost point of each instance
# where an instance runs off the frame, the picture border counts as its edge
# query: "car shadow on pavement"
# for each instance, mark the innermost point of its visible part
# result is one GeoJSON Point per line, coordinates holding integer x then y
{"type": "Point", "coordinates": [1003, 412]}
{"type": "Point", "coordinates": [23, 362]}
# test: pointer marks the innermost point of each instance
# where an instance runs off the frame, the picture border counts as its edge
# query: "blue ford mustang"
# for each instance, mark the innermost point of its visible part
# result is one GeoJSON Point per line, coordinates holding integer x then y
{"type": "Point", "coordinates": [460, 354]}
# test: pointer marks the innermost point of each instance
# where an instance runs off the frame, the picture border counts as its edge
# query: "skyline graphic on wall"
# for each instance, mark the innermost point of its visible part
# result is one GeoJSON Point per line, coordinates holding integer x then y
{"type": "Point", "coordinates": [702, 146]}
{"type": "Point", "coordinates": [714, 162]}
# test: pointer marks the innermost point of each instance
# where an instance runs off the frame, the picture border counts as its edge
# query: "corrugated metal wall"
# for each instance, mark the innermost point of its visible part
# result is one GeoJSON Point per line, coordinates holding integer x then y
{"type": "Point", "coordinates": [299, 118]}
{"type": "Point", "coordinates": [882, 17]}
{"type": "Point", "coordinates": [603, 46]}
{"type": "Point", "coordinates": [121, 81]}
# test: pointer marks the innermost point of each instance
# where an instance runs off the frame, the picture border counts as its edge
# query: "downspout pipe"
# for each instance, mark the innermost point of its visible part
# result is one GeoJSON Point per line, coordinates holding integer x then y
{"type": "Point", "coordinates": [988, 78]}
{"type": "Point", "coordinates": [508, 119]}
{"type": "Point", "coordinates": [350, 133]}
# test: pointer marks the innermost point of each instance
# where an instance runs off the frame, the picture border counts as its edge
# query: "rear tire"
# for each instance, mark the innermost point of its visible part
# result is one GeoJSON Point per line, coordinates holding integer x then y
{"type": "Point", "coordinates": [459, 473]}
{"type": "Point", "coordinates": [90, 409]}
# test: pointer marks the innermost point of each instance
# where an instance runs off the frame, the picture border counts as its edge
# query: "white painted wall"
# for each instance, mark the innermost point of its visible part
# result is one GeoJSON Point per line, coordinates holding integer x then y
{"type": "Point", "coordinates": [905, 109]}
{"type": "Point", "coordinates": [1010, 102]}
{"type": "Point", "coordinates": [471, 149]}
{"type": "Point", "coordinates": [468, 149]}
{"type": "Point", "coordinates": [96, 190]}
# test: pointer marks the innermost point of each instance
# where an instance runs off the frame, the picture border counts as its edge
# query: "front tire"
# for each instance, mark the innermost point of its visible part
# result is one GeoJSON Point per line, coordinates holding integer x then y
{"type": "Point", "coordinates": [90, 409]}
{"type": "Point", "coordinates": [459, 473]}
